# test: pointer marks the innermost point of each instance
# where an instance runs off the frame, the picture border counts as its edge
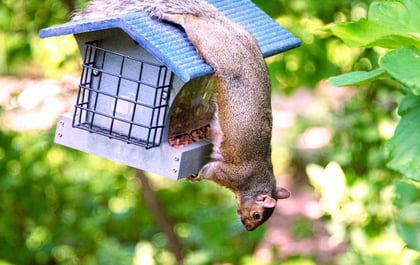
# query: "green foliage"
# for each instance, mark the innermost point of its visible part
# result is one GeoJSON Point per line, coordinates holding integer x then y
{"type": "Point", "coordinates": [404, 148]}
{"type": "Point", "coordinates": [358, 212]}
{"type": "Point", "coordinates": [20, 22]}
{"type": "Point", "coordinates": [63, 207]}
{"type": "Point", "coordinates": [71, 217]}
{"type": "Point", "coordinates": [408, 202]}
{"type": "Point", "coordinates": [390, 24]}
{"type": "Point", "coordinates": [403, 65]}
{"type": "Point", "coordinates": [357, 77]}
{"type": "Point", "coordinates": [357, 190]}
{"type": "Point", "coordinates": [395, 25]}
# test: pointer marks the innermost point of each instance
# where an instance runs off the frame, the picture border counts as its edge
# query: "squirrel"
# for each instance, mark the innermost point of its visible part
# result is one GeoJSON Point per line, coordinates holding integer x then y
{"type": "Point", "coordinates": [242, 127]}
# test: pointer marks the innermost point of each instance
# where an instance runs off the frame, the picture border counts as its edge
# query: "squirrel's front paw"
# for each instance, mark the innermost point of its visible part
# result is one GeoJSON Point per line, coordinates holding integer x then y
{"type": "Point", "coordinates": [205, 173]}
{"type": "Point", "coordinates": [194, 178]}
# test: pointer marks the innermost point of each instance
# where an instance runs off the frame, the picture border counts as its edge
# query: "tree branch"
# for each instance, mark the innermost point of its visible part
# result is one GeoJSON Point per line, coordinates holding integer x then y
{"type": "Point", "coordinates": [163, 221]}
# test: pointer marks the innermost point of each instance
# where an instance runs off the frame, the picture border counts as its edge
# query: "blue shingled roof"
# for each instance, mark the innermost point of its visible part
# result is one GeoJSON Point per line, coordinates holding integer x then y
{"type": "Point", "coordinates": [170, 44]}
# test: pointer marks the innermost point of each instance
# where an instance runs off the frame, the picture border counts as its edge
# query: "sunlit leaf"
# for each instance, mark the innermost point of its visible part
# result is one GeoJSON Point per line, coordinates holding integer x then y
{"type": "Point", "coordinates": [367, 34]}
{"type": "Point", "coordinates": [356, 77]}
{"type": "Point", "coordinates": [330, 183]}
{"type": "Point", "coordinates": [406, 193]}
{"type": "Point", "coordinates": [389, 24]}
{"type": "Point", "coordinates": [397, 15]}
{"type": "Point", "coordinates": [408, 225]}
{"type": "Point", "coordinates": [408, 218]}
{"type": "Point", "coordinates": [403, 149]}
{"type": "Point", "coordinates": [403, 64]}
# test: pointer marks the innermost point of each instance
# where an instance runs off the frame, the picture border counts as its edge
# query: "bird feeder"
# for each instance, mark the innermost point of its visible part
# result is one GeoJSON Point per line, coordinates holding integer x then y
{"type": "Point", "coordinates": [144, 96]}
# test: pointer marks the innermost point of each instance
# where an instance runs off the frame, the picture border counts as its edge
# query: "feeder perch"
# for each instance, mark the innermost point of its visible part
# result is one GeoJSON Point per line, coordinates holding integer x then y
{"type": "Point", "coordinates": [144, 97]}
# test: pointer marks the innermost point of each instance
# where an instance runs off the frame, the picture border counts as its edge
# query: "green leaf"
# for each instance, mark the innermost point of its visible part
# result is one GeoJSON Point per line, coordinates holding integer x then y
{"type": "Point", "coordinates": [406, 193]}
{"type": "Point", "coordinates": [330, 182]}
{"type": "Point", "coordinates": [408, 225]}
{"type": "Point", "coordinates": [365, 34]}
{"type": "Point", "coordinates": [403, 149]}
{"type": "Point", "coordinates": [403, 64]}
{"type": "Point", "coordinates": [396, 15]}
{"type": "Point", "coordinates": [390, 24]}
{"type": "Point", "coordinates": [356, 77]}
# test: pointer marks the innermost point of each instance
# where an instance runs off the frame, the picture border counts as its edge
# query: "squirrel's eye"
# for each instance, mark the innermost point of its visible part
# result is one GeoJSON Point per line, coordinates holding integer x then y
{"type": "Point", "coordinates": [256, 216]}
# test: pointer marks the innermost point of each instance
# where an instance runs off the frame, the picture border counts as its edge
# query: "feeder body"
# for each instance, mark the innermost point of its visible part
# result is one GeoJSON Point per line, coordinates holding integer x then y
{"type": "Point", "coordinates": [124, 106]}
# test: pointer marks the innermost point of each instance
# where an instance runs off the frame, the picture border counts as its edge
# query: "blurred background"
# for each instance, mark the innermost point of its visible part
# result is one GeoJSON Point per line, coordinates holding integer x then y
{"type": "Point", "coordinates": [61, 206]}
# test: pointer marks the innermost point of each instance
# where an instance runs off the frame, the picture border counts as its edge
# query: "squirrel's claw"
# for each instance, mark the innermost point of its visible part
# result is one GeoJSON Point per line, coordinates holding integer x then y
{"type": "Point", "coordinates": [193, 178]}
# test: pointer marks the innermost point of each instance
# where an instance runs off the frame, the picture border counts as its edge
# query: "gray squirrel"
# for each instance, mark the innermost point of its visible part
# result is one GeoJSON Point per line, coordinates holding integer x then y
{"type": "Point", "coordinates": [242, 126]}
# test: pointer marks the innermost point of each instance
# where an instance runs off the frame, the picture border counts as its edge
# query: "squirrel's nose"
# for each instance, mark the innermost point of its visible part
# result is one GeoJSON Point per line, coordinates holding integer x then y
{"type": "Point", "coordinates": [249, 227]}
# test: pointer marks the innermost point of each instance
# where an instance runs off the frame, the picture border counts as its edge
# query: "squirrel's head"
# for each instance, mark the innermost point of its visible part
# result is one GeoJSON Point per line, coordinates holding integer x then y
{"type": "Point", "coordinates": [255, 211]}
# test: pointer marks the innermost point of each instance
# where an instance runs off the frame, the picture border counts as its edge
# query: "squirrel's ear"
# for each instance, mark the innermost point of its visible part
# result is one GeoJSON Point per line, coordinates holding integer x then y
{"type": "Point", "coordinates": [282, 193]}
{"type": "Point", "coordinates": [266, 201]}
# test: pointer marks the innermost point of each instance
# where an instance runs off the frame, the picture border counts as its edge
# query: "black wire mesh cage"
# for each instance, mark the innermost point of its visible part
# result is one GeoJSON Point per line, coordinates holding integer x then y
{"type": "Point", "coordinates": [122, 97]}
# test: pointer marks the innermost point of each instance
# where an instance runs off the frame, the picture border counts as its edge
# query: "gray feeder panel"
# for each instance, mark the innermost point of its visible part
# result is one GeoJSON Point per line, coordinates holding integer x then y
{"type": "Point", "coordinates": [166, 160]}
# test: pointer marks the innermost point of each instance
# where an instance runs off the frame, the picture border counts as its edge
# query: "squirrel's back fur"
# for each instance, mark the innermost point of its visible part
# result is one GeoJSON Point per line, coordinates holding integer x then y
{"type": "Point", "coordinates": [155, 8]}
{"type": "Point", "coordinates": [241, 158]}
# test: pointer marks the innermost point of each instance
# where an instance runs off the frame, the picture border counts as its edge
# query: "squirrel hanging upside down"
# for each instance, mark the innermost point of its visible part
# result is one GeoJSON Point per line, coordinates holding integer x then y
{"type": "Point", "coordinates": [242, 126]}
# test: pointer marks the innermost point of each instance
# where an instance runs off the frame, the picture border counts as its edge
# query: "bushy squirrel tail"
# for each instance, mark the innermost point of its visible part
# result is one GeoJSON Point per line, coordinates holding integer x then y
{"type": "Point", "coordinates": [154, 8]}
